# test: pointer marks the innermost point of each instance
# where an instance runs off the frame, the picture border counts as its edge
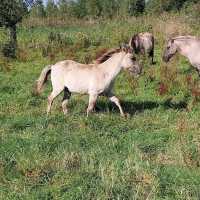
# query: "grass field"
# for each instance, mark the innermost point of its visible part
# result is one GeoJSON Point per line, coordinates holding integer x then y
{"type": "Point", "coordinates": [152, 154]}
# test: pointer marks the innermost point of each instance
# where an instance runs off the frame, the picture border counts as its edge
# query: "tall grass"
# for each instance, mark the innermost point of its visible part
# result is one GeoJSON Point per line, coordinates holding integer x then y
{"type": "Point", "coordinates": [153, 154]}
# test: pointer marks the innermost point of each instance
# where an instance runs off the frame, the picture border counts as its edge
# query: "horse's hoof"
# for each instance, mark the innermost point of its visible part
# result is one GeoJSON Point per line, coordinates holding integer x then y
{"type": "Point", "coordinates": [65, 113]}
{"type": "Point", "coordinates": [127, 115]}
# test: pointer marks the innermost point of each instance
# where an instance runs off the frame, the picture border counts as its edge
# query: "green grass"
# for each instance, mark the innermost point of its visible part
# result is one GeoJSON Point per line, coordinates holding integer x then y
{"type": "Point", "coordinates": [152, 154]}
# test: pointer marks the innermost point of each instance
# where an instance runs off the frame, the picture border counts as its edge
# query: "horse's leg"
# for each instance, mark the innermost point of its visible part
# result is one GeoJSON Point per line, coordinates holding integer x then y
{"type": "Point", "coordinates": [151, 55]}
{"type": "Point", "coordinates": [51, 97]}
{"type": "Point", "coordinates": [65, 100]}
{"type": "Point", "coordinates": [115, 100]}
{"type": "Point", "coordinates": [142, 50]}
{"type": "Point", "coordinates": [92, 101]}
{"type": "Point", "coordinates": [198, 68]}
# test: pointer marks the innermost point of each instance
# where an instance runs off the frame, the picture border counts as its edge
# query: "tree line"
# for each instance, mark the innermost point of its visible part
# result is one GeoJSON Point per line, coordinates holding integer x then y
{"type": "Point", "coordinates": [12, 11]}
{"type": "Point", "coordinates": [87, 8]}
{"type": "Point", "coordinates": [105, 8]}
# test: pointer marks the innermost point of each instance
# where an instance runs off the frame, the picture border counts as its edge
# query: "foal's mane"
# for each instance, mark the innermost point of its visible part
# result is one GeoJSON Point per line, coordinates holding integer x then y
{"type": "Point", "coordinates": [105, 55]}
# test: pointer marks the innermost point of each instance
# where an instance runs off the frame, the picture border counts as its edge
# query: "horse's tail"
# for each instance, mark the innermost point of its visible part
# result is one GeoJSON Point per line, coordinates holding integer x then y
{"type": "Point", "coordinates": [42, 79]}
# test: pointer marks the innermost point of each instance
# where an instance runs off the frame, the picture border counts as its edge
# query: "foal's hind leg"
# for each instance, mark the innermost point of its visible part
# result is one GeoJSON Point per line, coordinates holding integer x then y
{"type": "Point", "coordinates": [51, 97]}
{"type": "Point", "coordinates": [65, 100]}
{"type": "Point", "coordinates": [92, 101]}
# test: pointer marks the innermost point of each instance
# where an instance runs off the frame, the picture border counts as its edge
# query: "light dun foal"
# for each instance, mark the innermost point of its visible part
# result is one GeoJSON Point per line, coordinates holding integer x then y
{"type": "Point", "coordinates": [93, 79]}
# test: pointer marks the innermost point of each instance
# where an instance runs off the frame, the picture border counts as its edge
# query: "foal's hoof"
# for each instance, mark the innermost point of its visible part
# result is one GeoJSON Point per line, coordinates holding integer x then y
{"type": "Point", "coordinates": [128, 115]}
{"type": "Point", "coordinates": [65, 112]}
{"type": "Point", "coordinates": [125, 115]}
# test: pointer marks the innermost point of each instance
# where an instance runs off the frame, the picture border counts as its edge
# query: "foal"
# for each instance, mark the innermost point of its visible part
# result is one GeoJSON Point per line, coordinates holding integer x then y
{"type": "Point", "coordinates": [93, 79]}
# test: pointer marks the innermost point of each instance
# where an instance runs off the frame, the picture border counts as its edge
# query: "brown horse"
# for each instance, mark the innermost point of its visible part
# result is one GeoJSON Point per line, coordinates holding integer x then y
{"type": "Point", "coordinates": [143, 43]}
{"type": "Point", "coordinates": [188, 46]}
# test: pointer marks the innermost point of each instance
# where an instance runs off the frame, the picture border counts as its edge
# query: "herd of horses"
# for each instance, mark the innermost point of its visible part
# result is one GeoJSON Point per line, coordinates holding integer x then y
{"type": "Point", "coordinates": [98, 78]}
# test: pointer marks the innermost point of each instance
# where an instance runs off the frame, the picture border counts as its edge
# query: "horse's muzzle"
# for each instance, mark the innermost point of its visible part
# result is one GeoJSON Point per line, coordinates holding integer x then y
{"type": "Point", "coordinates": [136, 71]}
{"type": "Point", "coordinates": [165, 58]}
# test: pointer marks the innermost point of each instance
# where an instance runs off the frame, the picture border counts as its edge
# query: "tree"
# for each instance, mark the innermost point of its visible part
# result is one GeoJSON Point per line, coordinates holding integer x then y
{"type": "Point", "coordinates": [51, 8]}
{"type": "Point", "coordinates": [37, 10]}
{"type": "Point", "coordinates": [65, 7]}
{"type": "Point", "coordinates": [131, 7]}
{"type": "Point", "coordinates": [110, 8]}
{"type": "Point", "coordinates": [11, 13]}
{"type": "Point", "coordinates": [79, 9]}
{"type": "Point", "coordinates": [158, 6]}
{"type": "Point", "coordinates": [136, 7]}
{"type": "Point", "coordinates": [93, 8]}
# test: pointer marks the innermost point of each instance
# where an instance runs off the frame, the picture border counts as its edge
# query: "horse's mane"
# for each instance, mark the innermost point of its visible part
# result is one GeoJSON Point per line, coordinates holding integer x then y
{"type": "Point", "coordinates": [187, 37]}
{"type": "Point", "coordinates": [105, 55]}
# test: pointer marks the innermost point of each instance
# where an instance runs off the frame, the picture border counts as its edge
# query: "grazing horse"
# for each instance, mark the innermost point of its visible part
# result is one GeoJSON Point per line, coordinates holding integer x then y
{"type": "Point", "coordinates": [188, 46]}
{"type": "Point", "coordinates": [143, 43]}
{"type": "Point", "coordinates": [93, 79]}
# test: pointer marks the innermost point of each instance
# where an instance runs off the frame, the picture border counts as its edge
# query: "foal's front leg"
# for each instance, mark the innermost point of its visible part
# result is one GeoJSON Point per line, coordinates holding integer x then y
{"type": "Point", "coordinates": [65, 100]}
{"type": "Point", "coordinates": [115, 100]}
{"type": "Point", "coordinates": [92, 101]}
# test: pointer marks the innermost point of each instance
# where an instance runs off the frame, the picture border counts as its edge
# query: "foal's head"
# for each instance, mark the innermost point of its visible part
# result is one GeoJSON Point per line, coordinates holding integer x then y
{"type": "Point", "coordinates": [170, 50]}
{"type": "Point", "coordinates": [129, 61]}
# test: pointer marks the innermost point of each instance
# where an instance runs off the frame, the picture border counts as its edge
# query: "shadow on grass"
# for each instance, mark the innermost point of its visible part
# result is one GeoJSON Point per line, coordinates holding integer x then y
{"type": "Point", "coordinates": [169, 104]}
{"type": "Point", "coordinates": [133, 107]}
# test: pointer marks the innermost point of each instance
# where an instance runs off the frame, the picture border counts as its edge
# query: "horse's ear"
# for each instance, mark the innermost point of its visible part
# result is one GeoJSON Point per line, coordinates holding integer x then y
{"type": "Point", "coordinates": [136, 40]}
{"type": "Point", "coordinates": [127, 48]}
{"type": "Point", "coordinates": [123, 47]}
{"type": "Point", "coordinates": [130, 49]}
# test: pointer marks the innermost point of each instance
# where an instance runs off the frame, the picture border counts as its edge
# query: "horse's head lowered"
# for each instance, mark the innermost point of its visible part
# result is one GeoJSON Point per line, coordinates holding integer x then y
{"type": "Point", "coordinates": [170, 50]}
{"type": "Point", "coordinates": [129, 61]}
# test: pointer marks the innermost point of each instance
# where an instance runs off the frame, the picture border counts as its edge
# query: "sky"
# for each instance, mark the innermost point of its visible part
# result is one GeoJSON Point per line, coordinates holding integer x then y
{"type": "Point", "coordinates": [45, 1]}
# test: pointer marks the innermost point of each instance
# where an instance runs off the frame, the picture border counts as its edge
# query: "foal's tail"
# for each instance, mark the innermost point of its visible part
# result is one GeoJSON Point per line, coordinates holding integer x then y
{"type": "Point", "coordinates": [42, 79]}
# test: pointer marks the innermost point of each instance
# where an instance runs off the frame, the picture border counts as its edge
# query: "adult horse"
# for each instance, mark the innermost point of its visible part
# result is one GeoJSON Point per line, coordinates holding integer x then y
{"type": "Point", "coordinates": [93, 79]}
{"type": "Point", "coordinates": [188, 46]}
{"type": "Point", "coordinates": [143, 43]}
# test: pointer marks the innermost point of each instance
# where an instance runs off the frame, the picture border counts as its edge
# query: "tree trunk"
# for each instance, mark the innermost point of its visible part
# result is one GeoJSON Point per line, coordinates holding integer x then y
{"type": "Point", "coordinates": [13, 39]}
